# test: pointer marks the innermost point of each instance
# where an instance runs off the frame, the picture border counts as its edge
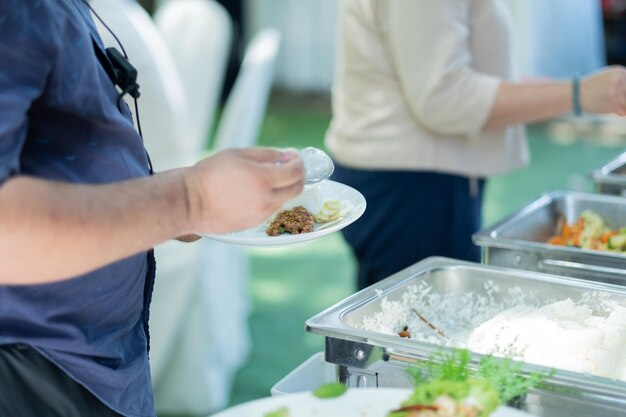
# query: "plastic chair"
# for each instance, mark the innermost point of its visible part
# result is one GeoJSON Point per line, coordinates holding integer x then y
{"type": "Point", "coordinates": [225, 268]}
{"type": "Point", "coordinates": [227, 264]}
{"type": "Point", "coordinates": [198, 34]}
{"type": "Point", "coordinates": [245, 107]}
{"type": "Point", "coordinates": [182, 341]}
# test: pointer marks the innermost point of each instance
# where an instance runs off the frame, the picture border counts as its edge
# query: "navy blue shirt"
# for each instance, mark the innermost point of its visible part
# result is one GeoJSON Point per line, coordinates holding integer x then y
{"type": "Point", "coordinates": [59, 120]}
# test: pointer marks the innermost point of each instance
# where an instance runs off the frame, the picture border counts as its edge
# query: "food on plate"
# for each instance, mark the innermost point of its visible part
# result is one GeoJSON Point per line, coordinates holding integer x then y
{"type": "Point", "coordinates": [295, 221]}
{"type": "Point", "coordinates": [330, 211]}
{"type": "Point", "coordinates": [590, 232]}
{"type": "Point", "coordinates": [441, 398]}
{"type": "Point", "coordinates": [448, 385]}
{"type": "Point", "coordinates": [281, 412]}
{"type": "Point", "coordinates": [331, 390]}
{"type": "Point", "coordinates": [299, 219]}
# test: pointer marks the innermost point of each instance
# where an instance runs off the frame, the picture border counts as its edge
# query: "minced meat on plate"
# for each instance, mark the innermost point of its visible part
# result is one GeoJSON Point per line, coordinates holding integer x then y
{"type": "Point", "coordinates": [295, 221]}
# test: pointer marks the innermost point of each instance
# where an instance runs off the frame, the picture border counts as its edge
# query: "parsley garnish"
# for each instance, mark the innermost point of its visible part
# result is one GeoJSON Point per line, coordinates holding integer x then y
{"type": "Point", "coordinates": [505, 375]}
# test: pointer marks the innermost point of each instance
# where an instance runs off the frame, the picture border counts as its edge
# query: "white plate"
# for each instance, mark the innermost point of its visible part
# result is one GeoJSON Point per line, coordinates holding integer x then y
{"type": "Point", "coordinates": [363, 402]}
{"type": "Point", "coordinates": [312, 199]}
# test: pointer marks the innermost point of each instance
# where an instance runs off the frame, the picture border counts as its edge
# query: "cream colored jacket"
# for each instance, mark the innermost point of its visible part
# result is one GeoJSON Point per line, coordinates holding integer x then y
{"type": "Point", "coordinates": [415, 83]}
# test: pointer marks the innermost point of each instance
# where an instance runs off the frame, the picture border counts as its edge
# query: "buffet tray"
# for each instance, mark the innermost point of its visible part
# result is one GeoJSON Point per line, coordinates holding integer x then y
{"type": "Point", "coordinates": [372, 359]}
{"type": "Point", "coordinates": [519, 240]}
{"type": "Point", "coordinates": [610, 178]}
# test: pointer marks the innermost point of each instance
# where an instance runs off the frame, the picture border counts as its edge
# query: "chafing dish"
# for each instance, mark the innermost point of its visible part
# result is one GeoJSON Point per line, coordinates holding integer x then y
{"type": "Point", "coordinates": [519, 240]}
{"type": "Point", "coordinates": [372, 359]}
{"type": "Point", "coordinates": [610, 178]}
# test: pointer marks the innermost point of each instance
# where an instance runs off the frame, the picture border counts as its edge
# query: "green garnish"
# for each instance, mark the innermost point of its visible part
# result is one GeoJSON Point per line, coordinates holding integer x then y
{"type": "Point", "coordinates": [476, 393]}
{"type": "Point", "coordinates": [281, 412]}
{"type": "Point", "coordinates": [455, 367]}
{"type": "Point", "coordinates": [493, 381]}
{"type": "Point", "coordinates": [331, 390]}
{"type": "Point", "coordinates": [504, 375]}
{"type": "Point", "coordinates": [508, 378]}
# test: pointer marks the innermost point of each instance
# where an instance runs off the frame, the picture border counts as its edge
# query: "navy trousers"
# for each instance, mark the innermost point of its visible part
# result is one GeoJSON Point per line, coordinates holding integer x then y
{"type": "Point", "coordinates": [31, 386]}
{"type": "Point", "coordinates": [410, 216]}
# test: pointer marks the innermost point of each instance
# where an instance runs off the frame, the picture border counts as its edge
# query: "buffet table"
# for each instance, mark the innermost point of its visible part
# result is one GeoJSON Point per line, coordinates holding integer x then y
{"type": "Point", "coordinates": [367, 358]}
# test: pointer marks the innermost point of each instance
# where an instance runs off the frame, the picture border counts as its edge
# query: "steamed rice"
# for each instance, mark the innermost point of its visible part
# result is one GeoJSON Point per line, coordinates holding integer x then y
{"type": "Point", "coordinates": [585, 336]}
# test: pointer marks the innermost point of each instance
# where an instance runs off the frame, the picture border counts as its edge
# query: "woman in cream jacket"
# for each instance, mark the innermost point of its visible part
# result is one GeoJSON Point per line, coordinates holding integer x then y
{"type": "Point", "coordinates": [424, 110]}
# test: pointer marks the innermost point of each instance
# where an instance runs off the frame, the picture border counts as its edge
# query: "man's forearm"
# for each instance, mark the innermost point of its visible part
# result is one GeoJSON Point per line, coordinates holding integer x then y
{"type": "Point", "coordinates": [53, 230]}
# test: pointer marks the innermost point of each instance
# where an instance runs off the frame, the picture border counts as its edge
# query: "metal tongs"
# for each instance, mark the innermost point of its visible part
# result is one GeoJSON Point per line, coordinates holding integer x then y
{"type": "Point", "coordinates": [430, 325]}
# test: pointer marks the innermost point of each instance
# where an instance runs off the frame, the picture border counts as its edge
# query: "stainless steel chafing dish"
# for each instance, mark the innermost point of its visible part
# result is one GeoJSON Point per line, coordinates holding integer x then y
{"type": "Point", "coordinates": [610, 178]}
{"type": "Point", "coordinates": [519, 240]}
{"type": "Point", "coordinates": [370, 359]}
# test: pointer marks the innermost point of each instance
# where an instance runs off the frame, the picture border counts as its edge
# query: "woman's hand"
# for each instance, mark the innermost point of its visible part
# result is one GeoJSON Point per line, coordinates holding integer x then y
{"type": "Point", "coordinates": [604, 91]}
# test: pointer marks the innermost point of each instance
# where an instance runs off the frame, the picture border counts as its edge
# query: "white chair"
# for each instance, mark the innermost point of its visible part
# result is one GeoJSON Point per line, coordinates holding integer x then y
{"type": "Point", "coordinates": [199, 35]}
{"type": "Point", "coordinates": [245, 107]}
{"type": "Point", "coordinates": [182, 344]}
{"type": "Point", "coordinates": [226, 267]}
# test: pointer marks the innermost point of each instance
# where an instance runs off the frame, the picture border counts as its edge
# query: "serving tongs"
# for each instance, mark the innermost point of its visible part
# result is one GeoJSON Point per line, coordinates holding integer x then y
{"type": "Point", "coordinates": [431, 326]}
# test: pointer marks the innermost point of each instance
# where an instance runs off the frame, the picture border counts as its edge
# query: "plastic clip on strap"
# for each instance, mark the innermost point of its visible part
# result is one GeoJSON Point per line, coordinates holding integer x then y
{"type": "Point", "coordinates": [125, 73]}
{"type": "Point", "coordinates": [576, 108]}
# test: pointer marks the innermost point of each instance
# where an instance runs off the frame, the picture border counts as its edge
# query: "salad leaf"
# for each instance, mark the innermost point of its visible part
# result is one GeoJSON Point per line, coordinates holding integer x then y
{"type": "Point", "coordinates": [429, 392]}
{"type": "Point", "coordinates": [331, 390]}
{"type": "Point", "coordinates": [281, 412]}
{"type": "Point", "coordinates": [475, 393]}
{"type": "Point", "coordinates": [486, 385]}
{"type": "Point", "coordinates": [482, 393]}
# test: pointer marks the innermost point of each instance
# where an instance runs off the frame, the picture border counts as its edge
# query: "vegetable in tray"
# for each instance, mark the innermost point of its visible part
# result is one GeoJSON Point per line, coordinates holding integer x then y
{"type": "Point", "coordinates": [590, 232]}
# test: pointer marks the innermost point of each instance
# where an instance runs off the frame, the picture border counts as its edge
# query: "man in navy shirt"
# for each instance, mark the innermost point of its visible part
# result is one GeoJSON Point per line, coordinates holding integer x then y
{"type": "Point", "coordinates": [79, 214]}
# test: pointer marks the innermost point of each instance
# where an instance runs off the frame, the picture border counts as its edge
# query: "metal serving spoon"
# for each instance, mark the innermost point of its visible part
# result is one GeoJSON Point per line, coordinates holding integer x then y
{"type": "Point", "coordinates": [317, 165]}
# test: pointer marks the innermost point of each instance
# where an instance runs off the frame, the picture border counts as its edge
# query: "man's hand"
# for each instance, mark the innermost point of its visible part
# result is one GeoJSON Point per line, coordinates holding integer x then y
{"type": "Point", "coordinates": [240, 188]}
{"type": "Point", "coordinates": [93, 225]}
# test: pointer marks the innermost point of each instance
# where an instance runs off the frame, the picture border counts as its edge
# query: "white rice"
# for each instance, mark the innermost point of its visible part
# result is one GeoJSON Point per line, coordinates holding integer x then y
{"type": "Point", "coordinates": [456, 314]}
{"type": "Point", "coordinates": [562, 335]}
{"type": "Point", "coordinates": [586, 336]}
